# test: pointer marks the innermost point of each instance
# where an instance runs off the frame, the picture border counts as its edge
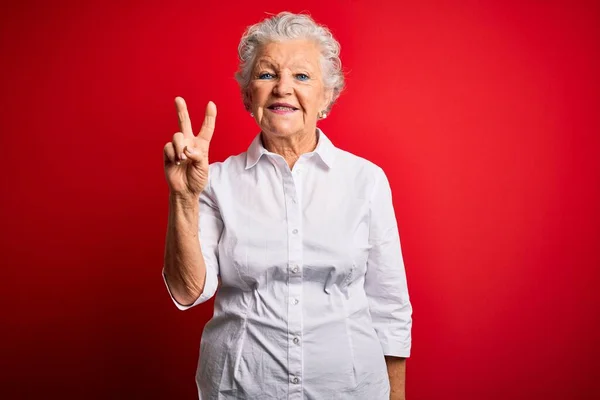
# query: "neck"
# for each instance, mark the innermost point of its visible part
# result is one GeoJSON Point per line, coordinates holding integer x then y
{"type": "Point", "coordinates": [290, 147]}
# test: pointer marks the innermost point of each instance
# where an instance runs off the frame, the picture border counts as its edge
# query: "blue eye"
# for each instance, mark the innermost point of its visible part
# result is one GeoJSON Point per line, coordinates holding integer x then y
{"type": "Point", "coordinates": [302, 77]}
{"type": "Point", "coordinates": [265, 75]}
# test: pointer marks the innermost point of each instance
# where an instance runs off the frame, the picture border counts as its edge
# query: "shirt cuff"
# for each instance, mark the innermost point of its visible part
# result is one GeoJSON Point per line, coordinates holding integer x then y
{"type": "Point", "coordinates": [396, 350]}
{"type": "Point", "coordinates": [210, 287]}
{"type": "Point", "coordinates": [396, 347]}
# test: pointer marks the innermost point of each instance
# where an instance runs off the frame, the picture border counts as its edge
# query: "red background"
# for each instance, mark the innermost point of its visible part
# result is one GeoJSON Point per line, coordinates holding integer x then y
{"type": "Point", "coordinates": [485, 116]}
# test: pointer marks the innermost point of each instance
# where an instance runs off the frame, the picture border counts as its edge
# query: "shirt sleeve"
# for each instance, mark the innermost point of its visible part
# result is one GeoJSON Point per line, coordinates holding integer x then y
{"type": "Point", "coordinates": [385, 280]}
{"type": "Point", "coordinates": [210, 227]}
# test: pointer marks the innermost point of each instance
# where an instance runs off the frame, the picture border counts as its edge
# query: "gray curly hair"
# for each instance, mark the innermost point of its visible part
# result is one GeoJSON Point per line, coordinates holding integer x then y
{"type": "Point", "coordinates": [289, 26]}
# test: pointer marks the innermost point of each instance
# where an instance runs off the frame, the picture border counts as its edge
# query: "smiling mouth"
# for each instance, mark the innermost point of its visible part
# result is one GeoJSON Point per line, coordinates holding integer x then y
{"type": "Point", "coordinates": [282, 108]}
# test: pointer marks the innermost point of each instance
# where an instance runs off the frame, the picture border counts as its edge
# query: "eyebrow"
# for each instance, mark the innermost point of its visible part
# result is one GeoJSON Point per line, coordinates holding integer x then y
{"type": "Point", "coordinates": [265, 62]}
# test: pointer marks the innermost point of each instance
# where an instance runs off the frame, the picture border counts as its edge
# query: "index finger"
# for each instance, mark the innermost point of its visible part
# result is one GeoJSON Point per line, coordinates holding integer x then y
{"type": "Point", "coordinates": [208, 126]}
{"type": "Point", "coordinates": [185, 124]}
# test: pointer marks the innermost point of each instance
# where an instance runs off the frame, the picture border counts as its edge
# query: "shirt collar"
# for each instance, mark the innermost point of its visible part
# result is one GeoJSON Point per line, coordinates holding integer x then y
{"type": "Point", "coordinates": [325, 149]}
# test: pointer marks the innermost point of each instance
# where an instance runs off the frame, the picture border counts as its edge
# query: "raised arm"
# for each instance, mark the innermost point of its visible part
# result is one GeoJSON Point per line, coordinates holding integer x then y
{"type": "Point", "coordinates": [187, 172]}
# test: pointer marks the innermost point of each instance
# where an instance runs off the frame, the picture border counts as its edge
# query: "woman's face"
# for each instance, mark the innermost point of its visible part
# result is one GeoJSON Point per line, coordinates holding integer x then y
{"type": "Point", "coordinates": [286, 89]}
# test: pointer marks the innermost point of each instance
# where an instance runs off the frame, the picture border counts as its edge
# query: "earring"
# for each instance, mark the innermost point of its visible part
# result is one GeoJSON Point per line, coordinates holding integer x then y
{"type": "Point", "coordinates": [252, 115]}
{"type": "Point", "coordinates": [322, 114]}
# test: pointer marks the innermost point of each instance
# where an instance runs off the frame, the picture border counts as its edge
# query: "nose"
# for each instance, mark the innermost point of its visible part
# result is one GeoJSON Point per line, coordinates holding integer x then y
{"type": "Point", "coordinates": [284, 85]}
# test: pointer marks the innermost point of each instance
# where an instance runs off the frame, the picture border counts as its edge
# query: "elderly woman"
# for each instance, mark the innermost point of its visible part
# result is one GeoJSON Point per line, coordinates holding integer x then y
{"type": "Point", "coordinates": [298, 236]}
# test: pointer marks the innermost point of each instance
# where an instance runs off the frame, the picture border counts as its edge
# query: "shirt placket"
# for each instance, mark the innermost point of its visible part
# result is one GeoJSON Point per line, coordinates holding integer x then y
{"type": "Point", "coordinates": [292, 188]}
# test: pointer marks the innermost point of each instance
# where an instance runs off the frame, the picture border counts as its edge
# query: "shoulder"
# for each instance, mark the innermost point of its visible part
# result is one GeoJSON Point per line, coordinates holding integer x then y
{"type": "Point", "coordinates": [230, 166]}
{"type": "Point", "coordinates": [222, 176]}
{"type": "Point", "coordinates": [358, 166]}
{"type": "Point", "coordinates": [362, 176]}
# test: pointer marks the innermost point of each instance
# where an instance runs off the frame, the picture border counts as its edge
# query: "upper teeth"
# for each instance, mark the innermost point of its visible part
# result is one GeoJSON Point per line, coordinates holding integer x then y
{"type": "Point", "coordinates": [282, 108]}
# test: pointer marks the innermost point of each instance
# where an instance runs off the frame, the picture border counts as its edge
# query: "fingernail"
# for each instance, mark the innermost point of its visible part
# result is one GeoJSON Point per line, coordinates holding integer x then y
{"type": "Point", "coordinates": [182, 156]}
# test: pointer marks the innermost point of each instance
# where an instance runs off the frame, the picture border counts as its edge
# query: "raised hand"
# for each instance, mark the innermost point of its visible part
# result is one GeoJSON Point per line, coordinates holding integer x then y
{"type": "Point", "coordinates": [186, 156]}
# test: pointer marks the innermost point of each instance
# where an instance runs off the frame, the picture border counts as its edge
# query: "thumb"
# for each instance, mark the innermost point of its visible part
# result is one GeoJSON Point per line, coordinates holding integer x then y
{"type": "Point", "coordinates": [192, 154]}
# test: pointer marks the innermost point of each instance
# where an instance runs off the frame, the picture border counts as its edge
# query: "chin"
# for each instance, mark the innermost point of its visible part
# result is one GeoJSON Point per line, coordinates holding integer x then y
{"type": "Point", "coordinates": [279, 130]}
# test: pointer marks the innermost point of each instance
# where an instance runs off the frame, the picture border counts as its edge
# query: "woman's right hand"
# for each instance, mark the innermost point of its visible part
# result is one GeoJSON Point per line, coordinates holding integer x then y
{"type": "Point", "coordinates": [186, 156]}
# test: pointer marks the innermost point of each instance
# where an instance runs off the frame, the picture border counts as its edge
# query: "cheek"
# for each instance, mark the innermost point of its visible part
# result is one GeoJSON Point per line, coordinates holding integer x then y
{"type": "Point", "coordinates": [258, 93]}
{"type": "Point", "coordinates": [312, 98]}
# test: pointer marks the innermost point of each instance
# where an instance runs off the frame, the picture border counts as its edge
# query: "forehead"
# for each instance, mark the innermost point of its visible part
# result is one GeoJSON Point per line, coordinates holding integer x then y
{"type": "Point", "coordinates": [290, 53]}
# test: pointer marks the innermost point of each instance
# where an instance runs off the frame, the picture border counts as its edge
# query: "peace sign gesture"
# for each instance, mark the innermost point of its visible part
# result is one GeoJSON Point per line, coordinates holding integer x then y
{"type": "Point", "coordinates": [186, 157]}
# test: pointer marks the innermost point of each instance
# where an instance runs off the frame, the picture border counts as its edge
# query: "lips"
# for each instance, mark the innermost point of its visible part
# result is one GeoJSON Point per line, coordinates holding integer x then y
{"type": "Point", "coordinates": [282, 107]}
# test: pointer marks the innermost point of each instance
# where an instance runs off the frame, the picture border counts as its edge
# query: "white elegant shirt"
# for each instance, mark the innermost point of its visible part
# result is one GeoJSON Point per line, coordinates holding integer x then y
{"type": "Point", "coordinates": [313, 289]}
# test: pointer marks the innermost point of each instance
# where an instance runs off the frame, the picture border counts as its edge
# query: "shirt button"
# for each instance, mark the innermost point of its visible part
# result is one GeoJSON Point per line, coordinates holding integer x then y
{"type": "Point", "coordinates": [295, 231]}
{"type": "Point", "coordinates": [295, 269]}
{"type": "Point", "coordinates": [296, 340]}
{"type": "Point", "coordinates": [295, 380]}
{"type": "Point", "coordinates": [295, 301]}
